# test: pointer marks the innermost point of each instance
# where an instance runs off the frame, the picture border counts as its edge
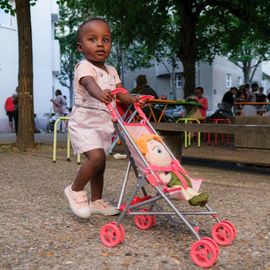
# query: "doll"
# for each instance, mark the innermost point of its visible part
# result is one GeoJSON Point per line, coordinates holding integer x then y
{"type": "Point", "coordinates": [156, 154]}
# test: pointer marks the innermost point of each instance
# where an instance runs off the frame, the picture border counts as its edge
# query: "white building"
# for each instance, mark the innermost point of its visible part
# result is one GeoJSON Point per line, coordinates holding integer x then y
{"type": "Point", "coordinates": [215, 78]}
{"type": "Point", "coordinates": [46, 58]}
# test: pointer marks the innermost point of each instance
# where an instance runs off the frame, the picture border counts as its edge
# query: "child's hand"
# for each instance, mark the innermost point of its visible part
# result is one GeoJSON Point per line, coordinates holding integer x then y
{"type": "Point", "coordinates": [106, 96]}
{"type": "Point", "coordinates": [140, 102]}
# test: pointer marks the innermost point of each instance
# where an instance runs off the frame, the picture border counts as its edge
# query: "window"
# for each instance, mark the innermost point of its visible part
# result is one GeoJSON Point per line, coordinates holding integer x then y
{"type": "Point", "coordinates": [178, 81]}
{"type": "Point", "coordinates": [239, 80]}
{"type": "Point", "coordinates": [228, 80]}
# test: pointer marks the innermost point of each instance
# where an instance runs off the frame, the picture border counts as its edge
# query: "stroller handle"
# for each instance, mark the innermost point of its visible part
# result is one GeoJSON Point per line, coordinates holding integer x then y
{"type": "Point", "coordinates": [119, 90]}
{"type": "Point", "coordinates": [136, 104]}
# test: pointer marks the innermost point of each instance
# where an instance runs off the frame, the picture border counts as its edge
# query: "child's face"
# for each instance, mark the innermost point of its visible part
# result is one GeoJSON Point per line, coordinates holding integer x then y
{"type": "Point", "coordinates": [198, 92]}
{"type": "Point", "coordinates": [95, 41]}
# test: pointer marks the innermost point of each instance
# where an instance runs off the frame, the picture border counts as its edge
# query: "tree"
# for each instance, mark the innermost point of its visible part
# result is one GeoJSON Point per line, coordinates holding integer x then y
{"type": "Point", "coordinates": [244, 43]}
{"type": "Point", "coordinates": [66, 34]}
{"type": "Point", "coordinates": [148, 20]}
{"type": "Point", "coordinates": [133, 56]}
{"type": "Point", "coordinates": [25, 137]}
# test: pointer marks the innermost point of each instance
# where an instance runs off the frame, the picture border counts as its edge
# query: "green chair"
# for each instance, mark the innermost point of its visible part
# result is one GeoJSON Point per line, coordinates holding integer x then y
{"type": "Point", "coordinates": [187, 136]}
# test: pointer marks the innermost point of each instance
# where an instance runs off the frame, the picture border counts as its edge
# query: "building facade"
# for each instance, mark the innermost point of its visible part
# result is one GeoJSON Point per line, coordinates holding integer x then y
{"type": "Point", "coordinates": [46, 58]}
{"type": "Point", "coordinates": [216, 78]}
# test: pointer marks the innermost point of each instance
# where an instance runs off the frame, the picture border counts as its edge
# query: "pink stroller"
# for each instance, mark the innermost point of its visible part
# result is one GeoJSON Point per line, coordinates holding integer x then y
{"type": "Point", "coordinates": [204, 252]}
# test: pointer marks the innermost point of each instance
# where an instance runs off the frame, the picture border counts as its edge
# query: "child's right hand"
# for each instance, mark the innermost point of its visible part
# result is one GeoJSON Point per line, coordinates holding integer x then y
{"type": "Point", "coordinates": [106, 96]}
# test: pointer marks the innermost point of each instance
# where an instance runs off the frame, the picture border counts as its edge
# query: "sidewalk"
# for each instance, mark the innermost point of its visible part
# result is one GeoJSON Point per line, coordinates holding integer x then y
{"type": "Point", "coordinates": [9, 138]}
{"type": "Point", "coordinates": [204, 153]}
{"type": "Point", "coordinates": [229, 154]}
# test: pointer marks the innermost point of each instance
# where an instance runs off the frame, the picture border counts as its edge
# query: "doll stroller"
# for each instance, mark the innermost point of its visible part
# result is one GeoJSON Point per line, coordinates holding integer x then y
{"type": "Point", "coordinates": [205, 251]}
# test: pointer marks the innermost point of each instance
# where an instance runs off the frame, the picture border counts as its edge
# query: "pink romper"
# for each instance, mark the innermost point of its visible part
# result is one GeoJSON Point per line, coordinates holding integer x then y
{"type": "Point", "coordinates": [90, 122]}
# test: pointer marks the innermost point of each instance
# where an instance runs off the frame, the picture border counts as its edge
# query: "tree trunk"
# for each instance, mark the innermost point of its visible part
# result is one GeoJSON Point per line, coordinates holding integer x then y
{"type": "Point", "coordinates": [25, 138]}
{"type": "Point", "coordinates": [246, 72]}
{"type": "Point", "coordinates": [70, 87]}
{"type": "Point", "coordinates": [173, 79]}
{"type": "Point", "coordinates": [188, 49]}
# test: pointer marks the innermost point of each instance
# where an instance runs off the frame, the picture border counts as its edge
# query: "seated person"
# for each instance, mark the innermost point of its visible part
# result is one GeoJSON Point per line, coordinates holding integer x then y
{"type": "Point", "coordinates": [260, 97]}
{"type": "Point", "coordinates": [228, 100]}
{"type": "Point", "coordinates": [199, 113]}
{"type": "Point", "coordinates": [142, 88]}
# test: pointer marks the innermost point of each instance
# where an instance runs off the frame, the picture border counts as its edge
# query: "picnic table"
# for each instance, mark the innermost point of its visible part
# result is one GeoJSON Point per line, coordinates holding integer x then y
{"type": "Point", "coordinates": [164, 105]}
{"type": "Point", "coordinates": [261, 107]}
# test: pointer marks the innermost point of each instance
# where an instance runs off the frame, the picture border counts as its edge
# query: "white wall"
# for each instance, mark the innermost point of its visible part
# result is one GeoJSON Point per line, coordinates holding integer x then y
{"type": "Point", "coordinates": [45, 58]}
{"type": "Point", "coordinates": [8, 64]}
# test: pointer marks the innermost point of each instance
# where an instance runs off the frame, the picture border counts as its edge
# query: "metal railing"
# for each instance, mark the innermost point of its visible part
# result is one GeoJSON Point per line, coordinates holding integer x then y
{"type": "Point", "coordinates": [62, 118]}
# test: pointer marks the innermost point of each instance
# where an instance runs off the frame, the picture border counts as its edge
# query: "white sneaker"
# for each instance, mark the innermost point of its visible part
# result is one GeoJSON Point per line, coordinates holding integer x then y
{"type": "Point", "coordinates": [78, 202]}
{"type": "Point", "coordinates": [103, 208]}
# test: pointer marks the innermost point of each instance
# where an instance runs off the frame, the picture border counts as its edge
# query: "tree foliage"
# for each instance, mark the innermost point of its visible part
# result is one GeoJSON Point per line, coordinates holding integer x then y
{"type": "Point", "coordinates": [67, 27]}
{"type": "Point", "coordinates": [200, 29]}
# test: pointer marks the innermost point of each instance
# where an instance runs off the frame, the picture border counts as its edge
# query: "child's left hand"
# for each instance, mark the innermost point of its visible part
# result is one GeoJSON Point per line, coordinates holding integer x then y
{"type": "Point", "coordinates": [138, 100]}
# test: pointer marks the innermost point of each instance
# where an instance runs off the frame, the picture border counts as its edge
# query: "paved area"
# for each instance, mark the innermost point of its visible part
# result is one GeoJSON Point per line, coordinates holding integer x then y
{"type": "Point", "coordinates": [8, 138]}
{"type": "Point", "coordinates": [38, 231]}
{"type": "Point", "coordinates": [206, 152]}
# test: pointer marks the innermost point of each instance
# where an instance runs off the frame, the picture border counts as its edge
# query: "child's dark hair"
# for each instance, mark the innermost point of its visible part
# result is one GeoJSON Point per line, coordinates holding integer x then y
{"type": "Point", "coordinates": [86, 22]}
{"type": "Point", "coordinates": [199, 88]}
{"type": "Point", "coordinates": [58, 92]}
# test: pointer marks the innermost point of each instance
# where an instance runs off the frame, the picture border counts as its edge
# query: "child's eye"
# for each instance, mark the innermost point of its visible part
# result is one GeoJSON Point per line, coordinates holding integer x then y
{"type": "Point", "coordinates": [93, 40]}
{"type": "Point", "coordinates": [106, 40]}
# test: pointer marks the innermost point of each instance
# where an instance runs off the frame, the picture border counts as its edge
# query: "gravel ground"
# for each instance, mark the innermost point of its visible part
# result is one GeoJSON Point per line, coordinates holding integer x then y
{"type": "Point", "coordinates": [38, 231]}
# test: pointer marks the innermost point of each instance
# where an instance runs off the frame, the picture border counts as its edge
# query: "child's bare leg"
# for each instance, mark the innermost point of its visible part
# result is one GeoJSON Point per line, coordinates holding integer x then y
{"type": "Point", "coordinates": [95, 162]}
{"type": "Point", "coordinates": [97, 185]}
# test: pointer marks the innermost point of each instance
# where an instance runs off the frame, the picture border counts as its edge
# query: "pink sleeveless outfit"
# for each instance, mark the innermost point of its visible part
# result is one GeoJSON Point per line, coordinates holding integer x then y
{"type": "Point", "coordinates": [90, 123]}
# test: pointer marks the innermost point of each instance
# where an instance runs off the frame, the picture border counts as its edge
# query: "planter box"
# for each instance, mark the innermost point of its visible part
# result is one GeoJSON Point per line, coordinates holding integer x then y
{"type": "Point", "coordinates": [259, 138]}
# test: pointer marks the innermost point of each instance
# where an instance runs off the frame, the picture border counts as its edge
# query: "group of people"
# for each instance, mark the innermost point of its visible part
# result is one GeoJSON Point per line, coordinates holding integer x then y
{"type": "Point", "coordinates": [245, 93]}
{"type": "Point", "coordinates": [90, 124]}
{"type": "Point", "coordinates": [11, 108]}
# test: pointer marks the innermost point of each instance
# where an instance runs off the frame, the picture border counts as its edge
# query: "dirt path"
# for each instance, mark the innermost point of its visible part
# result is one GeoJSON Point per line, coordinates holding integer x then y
{"type": "Point", "coordinates": [38, 231]}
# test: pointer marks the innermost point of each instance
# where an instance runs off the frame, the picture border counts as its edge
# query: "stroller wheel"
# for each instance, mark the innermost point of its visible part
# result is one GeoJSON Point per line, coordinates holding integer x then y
{"type": "Point", "coordinates": [144, 222]}
{"type": "Point", "coordinates": [123, 233]}
{"type": "Point", "coordinates": [232, 226]}
{"type": "Point", "coordinates": [204, 253]}
{"type": "Point", "coordinates": [223, 233]}
{"type": "Point", "coordinates": [111, 235]}
{"type": "Point", "coordinates": [210, 240]}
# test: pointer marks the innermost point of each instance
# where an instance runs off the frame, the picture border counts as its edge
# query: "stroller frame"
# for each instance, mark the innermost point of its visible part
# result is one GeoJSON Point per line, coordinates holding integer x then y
{"type": "Point", "coordinates": [205, 251]}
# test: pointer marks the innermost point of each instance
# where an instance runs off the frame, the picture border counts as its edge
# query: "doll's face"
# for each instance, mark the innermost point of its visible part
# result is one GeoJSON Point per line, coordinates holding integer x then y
{"type": "Point", "coordinates": [157, 154]}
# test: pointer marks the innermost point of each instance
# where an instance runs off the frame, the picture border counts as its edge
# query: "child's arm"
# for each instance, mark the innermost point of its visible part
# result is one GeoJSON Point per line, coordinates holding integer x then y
{"type": "Point", "coordinates": [94, 90]}
{"type": "Point", "coordinates": [54, 103]}
{"type": "Point", "coordinates": [127, 97]}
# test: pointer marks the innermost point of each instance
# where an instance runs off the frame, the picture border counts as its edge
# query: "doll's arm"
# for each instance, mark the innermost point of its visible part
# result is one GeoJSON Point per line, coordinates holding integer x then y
{"type": "Point", "coordinates": [165, 177]}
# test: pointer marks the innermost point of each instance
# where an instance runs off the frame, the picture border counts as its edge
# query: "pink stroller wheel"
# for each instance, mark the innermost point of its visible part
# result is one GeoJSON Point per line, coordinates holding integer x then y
{"type": "Point", "coordinates": [223, 233]}
{"type": "Point", "coordinates": [232, 226]}
{"type": "Point", "coordinates": [204, 253]}
{"type": "Point", "coordinates": [111, 235]}
{"type": "Point", "coordinates": [144, 222]}
{"type": "Point", "coordinates": [122, 230]}
{"type": "Point", "coordinates": [210, 240]}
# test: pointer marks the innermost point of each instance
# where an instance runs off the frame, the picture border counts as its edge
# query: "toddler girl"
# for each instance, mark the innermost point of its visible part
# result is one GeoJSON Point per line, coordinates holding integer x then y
{"type": "Point", "coordinates": [90, 122]}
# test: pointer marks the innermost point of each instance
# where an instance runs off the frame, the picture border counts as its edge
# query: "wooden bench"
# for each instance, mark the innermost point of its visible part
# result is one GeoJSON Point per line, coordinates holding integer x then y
{"type": "Point", "coordinates": [173, 134]}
